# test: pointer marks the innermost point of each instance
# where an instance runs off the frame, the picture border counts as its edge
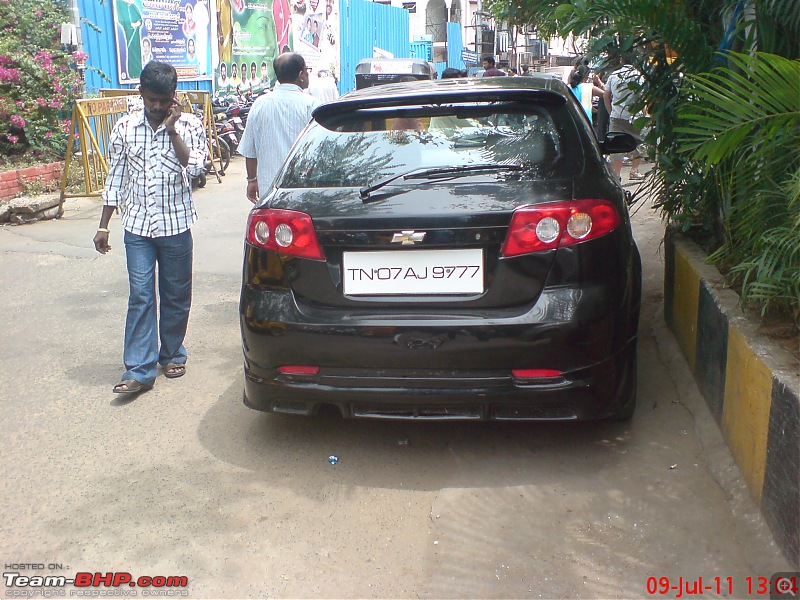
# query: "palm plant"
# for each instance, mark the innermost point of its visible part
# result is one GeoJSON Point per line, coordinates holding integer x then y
{"type": "Point", "coordinates": [725, 165]}
{"type": "Point", "coordinates": [743, 123]}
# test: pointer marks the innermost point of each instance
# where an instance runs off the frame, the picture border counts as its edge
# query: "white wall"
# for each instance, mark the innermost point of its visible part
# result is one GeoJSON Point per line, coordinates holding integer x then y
{"type": "Point", "coordinates": [417, 21]}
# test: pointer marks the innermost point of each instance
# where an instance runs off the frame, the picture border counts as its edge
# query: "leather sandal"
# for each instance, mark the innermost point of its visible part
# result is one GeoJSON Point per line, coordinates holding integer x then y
{"type": "Point", "coordinates": [174, 370]}
{"type": "Point", "coordinates": [131, 386]}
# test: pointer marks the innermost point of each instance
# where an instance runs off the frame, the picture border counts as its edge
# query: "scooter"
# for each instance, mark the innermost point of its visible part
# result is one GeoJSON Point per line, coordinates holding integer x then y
{"type": "Point", "coordinates": [228, 131]}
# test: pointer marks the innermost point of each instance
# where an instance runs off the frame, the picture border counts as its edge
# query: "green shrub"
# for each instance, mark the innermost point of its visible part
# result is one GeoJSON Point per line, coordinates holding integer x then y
{"type": "Point", "coordinates": [745, 118]}
{"type": "Point", "coordinates": [724, 123]}
{"type": "Point", "coordinates": [38, 81]}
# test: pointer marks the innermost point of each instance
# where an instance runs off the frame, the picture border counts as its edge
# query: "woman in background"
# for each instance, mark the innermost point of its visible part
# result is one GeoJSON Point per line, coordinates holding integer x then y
{"type": "Point", "coordinates": [583, 89]}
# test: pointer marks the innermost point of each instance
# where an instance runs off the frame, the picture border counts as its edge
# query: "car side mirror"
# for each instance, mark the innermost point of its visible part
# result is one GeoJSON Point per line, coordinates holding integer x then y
{"type": "Point", "coordinates": [617, 142]}
{"type": "Point", "coordinates": [628, 198]}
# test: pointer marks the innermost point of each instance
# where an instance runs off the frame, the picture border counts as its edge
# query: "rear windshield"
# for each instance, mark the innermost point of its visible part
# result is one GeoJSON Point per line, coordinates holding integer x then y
{"type": "Point", "coordinates": [361, 147]}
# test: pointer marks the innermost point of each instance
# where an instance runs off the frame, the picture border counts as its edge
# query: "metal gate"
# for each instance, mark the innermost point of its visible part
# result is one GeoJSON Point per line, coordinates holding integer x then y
{"type": "Point", "coordinates": [366, 26]}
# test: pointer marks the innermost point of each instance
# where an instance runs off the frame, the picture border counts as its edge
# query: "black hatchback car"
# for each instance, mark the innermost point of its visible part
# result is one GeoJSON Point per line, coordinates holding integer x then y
{"type": "Point", "coordinates": [452, 249]}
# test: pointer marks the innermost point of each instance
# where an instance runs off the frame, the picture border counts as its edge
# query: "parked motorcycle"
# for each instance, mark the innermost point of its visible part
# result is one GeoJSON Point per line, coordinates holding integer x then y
{"type": "Point", "coordinates": [230, 133]}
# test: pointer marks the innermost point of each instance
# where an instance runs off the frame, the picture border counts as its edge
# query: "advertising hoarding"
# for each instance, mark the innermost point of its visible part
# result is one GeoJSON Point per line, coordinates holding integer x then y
{"type": "Point", "coordinates": [177, 32]}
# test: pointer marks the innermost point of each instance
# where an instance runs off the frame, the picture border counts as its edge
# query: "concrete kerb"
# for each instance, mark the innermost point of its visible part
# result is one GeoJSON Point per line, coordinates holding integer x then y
{"type": "Point", "coordinates": [28, 209]}
{"type": "Point", "coordinates": [750, 384]}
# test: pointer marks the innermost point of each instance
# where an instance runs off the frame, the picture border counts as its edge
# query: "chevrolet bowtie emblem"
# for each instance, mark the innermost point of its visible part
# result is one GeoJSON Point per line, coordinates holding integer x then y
{"type": "Point", "coordinates": [408, 238]}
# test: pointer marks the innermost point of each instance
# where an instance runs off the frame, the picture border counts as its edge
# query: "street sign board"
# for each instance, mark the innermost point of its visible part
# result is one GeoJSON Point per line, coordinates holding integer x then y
{"type": "Point", "coordinates": [468, 56]}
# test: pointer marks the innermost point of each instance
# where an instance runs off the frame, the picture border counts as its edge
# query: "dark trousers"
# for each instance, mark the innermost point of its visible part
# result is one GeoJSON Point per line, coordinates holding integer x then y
{"type": "Point", "coordinates": [601, 121]}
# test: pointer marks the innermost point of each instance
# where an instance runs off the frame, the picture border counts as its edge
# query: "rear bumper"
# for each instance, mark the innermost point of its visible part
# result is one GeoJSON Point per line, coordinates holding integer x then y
{"type": "Point", "coordinates": [596, 392]}
{"type": "Point", "coordinates": [446, 365]}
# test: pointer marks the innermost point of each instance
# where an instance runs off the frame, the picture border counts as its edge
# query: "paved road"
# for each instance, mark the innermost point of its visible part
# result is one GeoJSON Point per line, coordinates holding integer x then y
{"type": "Point", "coordinates": [187, 481]}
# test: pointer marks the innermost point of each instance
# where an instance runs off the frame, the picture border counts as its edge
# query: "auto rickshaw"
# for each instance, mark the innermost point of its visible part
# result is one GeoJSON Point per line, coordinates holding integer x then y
{"type": "Point", "coordinates": [377, 71]}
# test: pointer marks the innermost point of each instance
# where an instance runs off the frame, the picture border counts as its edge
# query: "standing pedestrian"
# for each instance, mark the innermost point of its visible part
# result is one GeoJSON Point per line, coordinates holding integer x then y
{"type": "Point", "coordinates": [620, 97]}
{"type": "Point", "coordinates": [274, 122]}
{"type": "Point", "coordinates": [154, 155]}
{"type": "Point", "coordinates": [601, 122]}
{"type": "Point", "coordinates": [580, 61]}
{"type": "Point", "coordinates": [451, 73]}
{"type": "Point", "coordinates": [324, 87]}
{"type": "Point", "coordinates": [584, 90]}
{"type": "Point", "coordinates": [490, 70]}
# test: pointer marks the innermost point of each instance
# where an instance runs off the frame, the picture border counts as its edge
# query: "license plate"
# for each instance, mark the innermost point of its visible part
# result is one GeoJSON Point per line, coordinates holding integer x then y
{"type": "Point", "coordinates": [413, 272]}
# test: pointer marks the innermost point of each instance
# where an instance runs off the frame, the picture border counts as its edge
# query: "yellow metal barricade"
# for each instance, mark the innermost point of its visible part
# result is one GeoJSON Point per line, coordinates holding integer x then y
{"type": "Point", "coordinates": [92, 122]}
{"type": "Point", "coordinates": [198, 103]}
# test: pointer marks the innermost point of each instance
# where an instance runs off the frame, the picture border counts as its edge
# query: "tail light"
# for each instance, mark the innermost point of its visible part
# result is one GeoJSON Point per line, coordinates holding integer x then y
{"type": "Point", "coordinates": [542, 375]}
{"type": "Point", "coordinates": [550, 226]}
{"type": "Point", "coordinates": [298, 370]}
{"type": "Point", "coordinates": [285, 232]}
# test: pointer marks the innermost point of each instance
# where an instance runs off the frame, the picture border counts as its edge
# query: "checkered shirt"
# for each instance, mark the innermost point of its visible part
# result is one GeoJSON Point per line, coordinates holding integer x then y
{"type": "Point", "coordinates": [146, 178]}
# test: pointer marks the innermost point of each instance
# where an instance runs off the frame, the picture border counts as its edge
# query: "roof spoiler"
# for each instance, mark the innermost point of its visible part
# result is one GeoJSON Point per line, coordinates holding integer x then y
{"type": "Point", "coordinates": [444, 96]}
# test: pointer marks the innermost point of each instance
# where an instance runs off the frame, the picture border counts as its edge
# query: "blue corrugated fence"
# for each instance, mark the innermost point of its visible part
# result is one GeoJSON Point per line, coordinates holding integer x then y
{"type": "Point", "coordinates": [367, 25]}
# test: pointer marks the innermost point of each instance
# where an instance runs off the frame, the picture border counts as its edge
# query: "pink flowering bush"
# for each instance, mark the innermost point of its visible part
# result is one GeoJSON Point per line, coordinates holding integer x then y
{"type": "Point", "coordinates": [38, 80]}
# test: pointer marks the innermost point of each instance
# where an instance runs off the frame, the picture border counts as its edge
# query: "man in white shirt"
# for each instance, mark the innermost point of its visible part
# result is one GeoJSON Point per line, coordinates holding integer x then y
{"type": "Point", "coordinates": [154, 154]}
{"type": "Point", "coordinates": [274, 122]}
{"type": "Point", "coordinates": [324, 87]}
{"type": "Point", "coordinates": [620, 96]}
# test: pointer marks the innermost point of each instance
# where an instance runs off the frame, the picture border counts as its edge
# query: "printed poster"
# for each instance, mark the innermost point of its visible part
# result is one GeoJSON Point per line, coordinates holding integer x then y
{"type": "Point", "coordinates": [252, 33]}
{"type": "Point", "coordinates": [177, 32]}
{"type": "Point", "coordinates": [315, 25]}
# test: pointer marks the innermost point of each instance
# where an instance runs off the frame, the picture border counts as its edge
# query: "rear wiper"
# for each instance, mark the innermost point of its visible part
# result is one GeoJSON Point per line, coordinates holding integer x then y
{"type": "Point", "coordinates": [420, 172]}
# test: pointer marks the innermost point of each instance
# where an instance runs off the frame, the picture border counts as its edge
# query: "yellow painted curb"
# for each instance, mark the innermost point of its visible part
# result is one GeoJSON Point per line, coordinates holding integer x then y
{"type": "Point", "coordinates": [684, 306]}
{"type": "Point", "coordinates": [745, 414]}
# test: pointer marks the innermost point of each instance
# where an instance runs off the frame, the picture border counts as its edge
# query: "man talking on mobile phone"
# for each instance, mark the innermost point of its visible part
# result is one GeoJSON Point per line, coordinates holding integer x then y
{"type": "Point", "coordinates": [154, 156]}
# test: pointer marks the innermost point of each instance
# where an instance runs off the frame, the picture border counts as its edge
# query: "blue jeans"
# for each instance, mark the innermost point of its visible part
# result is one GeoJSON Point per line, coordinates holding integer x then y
{"type": "Point", "coordinates": [173, 255]}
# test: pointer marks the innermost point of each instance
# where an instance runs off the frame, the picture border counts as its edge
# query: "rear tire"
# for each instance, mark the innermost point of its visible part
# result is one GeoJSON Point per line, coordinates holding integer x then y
{"type": "Point", "coordinates": [221, 151]}
{"type": "Point", "coordinates": [626, 412]}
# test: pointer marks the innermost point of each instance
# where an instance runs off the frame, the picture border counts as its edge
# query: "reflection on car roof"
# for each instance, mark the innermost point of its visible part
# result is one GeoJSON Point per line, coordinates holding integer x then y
{"type": "Point", "coordinates": [541, 88]}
